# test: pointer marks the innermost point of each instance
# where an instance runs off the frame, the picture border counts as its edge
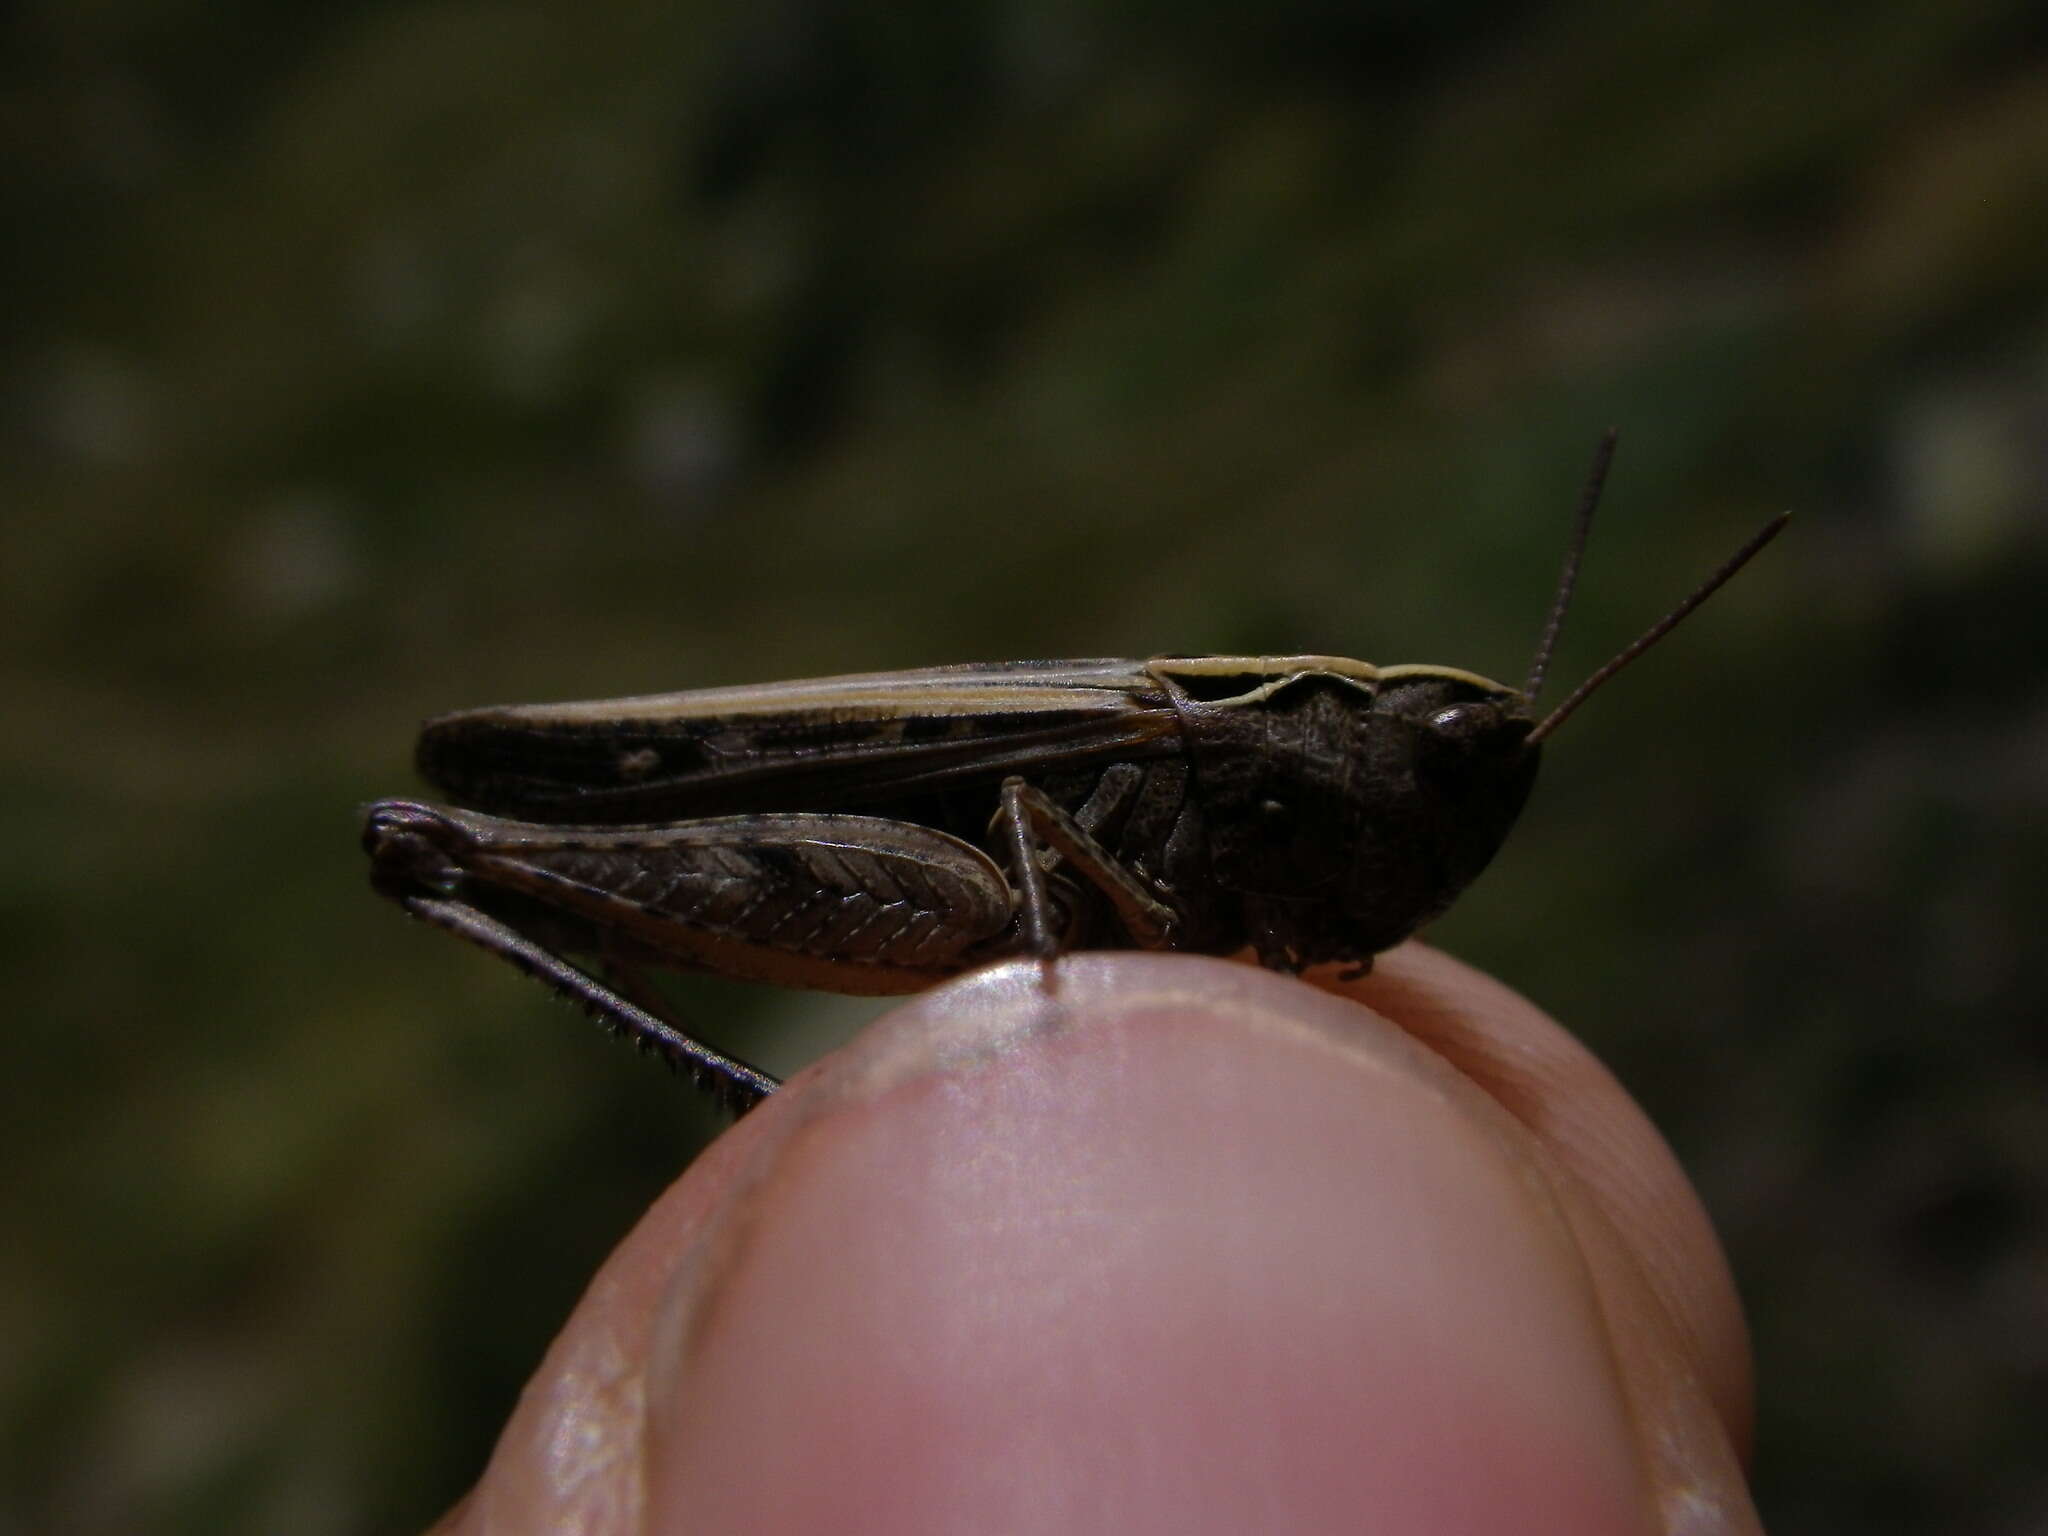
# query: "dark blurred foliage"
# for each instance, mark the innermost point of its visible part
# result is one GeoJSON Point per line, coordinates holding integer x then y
{"type": "Point", "coordinates": [362, 361]}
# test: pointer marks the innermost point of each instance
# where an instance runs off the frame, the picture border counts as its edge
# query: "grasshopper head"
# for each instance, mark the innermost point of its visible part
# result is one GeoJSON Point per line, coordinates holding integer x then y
{"type": "Point", "coordinates": [1350, 804]}
{"type": "Point", "coordinates": [1346, 804]}
{"type": "Point", "coordinates": [1451, 765]}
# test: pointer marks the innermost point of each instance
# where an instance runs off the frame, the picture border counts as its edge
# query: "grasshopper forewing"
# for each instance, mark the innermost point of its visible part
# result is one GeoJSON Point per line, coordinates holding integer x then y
{"type": "Point", "coordinates": [877, 833]}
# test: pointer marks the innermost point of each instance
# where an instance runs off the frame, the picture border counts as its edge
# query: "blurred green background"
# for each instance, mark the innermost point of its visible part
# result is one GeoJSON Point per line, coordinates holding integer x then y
{"type": "Point", "coordinates": [362, 361]}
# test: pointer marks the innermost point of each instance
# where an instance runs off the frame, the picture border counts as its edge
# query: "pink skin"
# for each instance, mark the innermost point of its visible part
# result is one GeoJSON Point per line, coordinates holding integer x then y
{"type": "Point", "coordinates": [1176, 1245]}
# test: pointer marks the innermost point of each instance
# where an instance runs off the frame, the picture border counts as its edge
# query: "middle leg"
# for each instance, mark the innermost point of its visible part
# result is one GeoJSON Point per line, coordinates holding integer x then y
{"type": "Point", "coordinates": [1032, 819]}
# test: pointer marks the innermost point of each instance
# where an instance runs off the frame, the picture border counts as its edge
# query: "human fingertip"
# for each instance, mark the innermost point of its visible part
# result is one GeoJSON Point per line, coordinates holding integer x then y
{"type": "Point", "coordinates": [1170, 1244]}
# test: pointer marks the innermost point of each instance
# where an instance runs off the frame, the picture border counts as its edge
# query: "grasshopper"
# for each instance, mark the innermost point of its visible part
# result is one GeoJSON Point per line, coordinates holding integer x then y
{"type": "Point", "coordinates": [878, 833]}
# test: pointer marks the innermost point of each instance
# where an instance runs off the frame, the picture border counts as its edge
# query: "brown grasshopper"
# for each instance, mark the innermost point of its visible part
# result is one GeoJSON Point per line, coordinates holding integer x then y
{"type": "Point", "coordinates": [878, 833]}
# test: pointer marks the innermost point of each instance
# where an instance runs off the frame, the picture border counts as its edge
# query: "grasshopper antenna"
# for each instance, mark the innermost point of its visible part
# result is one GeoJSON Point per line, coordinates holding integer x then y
{"type": "Point", "coordinates": [1662, 627]}
{"type": "Point", "coordinates": [1574, 556]}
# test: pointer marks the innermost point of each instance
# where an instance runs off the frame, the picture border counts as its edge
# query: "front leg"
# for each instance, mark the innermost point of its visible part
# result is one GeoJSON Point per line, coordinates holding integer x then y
{"type": "Point", "coordinates": [1030, 819]}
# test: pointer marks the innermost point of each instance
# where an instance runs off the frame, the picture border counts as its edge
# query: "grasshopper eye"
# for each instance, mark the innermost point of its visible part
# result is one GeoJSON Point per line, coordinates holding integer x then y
{"type": "Point", "coordinates": [1460, 724]}
{"type": "Point", "coordinates": [1464, 738]}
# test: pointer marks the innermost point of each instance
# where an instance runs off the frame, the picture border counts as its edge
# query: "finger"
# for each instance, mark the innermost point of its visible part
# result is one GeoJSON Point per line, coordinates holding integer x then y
{"type": "Point", "coordinates": [1613, 1159]}
{"type": "Point", "coordinates": [1182, 1245]}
